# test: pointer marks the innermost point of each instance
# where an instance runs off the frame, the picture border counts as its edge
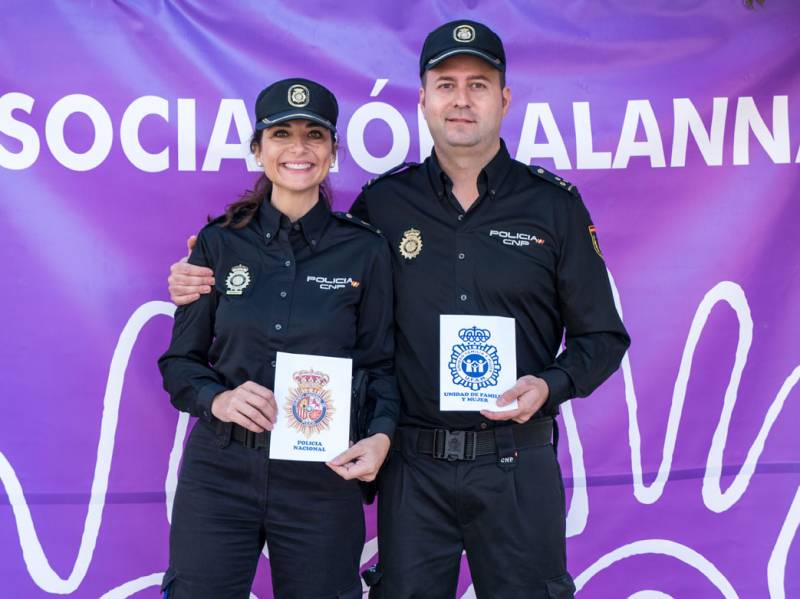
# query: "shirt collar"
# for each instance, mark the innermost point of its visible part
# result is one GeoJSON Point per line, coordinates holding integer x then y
{"type": "Point", "coordinates": [311, 224]}
{"type": "Point", "coordinates": [493, 173]}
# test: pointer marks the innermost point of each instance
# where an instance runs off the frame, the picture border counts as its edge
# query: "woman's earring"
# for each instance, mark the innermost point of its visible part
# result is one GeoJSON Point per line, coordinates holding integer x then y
{"type": "Point", "coordinates": [259, 163]}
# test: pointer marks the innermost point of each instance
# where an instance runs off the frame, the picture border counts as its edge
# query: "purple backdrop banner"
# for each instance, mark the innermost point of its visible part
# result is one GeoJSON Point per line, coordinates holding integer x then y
{"type": "Point", "coordinates": [122, 126]}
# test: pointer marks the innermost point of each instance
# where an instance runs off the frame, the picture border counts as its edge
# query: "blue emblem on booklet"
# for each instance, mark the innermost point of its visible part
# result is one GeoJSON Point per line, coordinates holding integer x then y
{"type": "Point", "coordinates": [474, 363]}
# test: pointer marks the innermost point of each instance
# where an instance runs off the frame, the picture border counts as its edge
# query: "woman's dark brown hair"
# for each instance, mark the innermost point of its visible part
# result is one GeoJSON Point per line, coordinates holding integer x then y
{"type": "Point", "coordinates": [241, 212]}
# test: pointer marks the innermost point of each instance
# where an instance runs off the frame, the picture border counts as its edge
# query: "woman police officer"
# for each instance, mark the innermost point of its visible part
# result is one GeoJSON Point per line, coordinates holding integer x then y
{"type": "Point", "coordinates": [274, 250]}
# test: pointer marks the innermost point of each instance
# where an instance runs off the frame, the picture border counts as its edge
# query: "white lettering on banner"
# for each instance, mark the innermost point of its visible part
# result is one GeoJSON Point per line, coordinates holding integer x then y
{"type": "Point", "coordinates": [401, 138]}
{"type": "Point", "coordinates": [687, 119]}
{"type": "Point", "coordinates": [554, 148]}
{"type": "Point", "coordinates": [218, 146]}
{"type": "Point", "coordinates": [187, 135]}
{"type": "Point", "coordinates": [587, 157]}
{"type": "Point", "coordinates": [775, 143]}
{"type": "Point", "coordinates": [636, 112]}
{"type": "Point", "coordinates": [22, 132]}
{"type": "Point", "coordinates": [707, 133]}
{"type": "Point", "coordinates": [129, 134]}
{"type": "Point", "coordinates": [103, 132]}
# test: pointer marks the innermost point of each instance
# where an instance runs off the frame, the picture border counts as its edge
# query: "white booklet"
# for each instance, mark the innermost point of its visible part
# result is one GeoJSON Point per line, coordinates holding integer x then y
{"type": "Point", "coordinates": [313, 397]}
{"type": "Point", "coordinates": [477, 362]}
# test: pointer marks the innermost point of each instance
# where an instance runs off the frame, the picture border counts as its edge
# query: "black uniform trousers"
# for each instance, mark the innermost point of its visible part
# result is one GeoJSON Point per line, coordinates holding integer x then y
{"type": "Point", "coordinates": [510, 520]}
{"type": "Point", "coordinates": [231, 499]}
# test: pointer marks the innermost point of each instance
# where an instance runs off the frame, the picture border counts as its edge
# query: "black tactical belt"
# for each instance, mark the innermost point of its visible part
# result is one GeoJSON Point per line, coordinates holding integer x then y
{"type": "Point", "coordinates": [443, 444]}
{"type": "Point", "coordinates": [249, 438]}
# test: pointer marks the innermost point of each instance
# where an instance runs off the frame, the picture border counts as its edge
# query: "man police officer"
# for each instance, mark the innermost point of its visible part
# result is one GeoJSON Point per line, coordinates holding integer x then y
{"type": "Point", "coordinates": [475, 232]}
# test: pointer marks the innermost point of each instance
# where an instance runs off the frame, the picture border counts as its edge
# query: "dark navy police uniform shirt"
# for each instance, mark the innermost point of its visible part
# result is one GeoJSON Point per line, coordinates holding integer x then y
{"type": "Point", "coordinates": [525, 249]}
{"type": "Point", "coordinates": [321, 286]}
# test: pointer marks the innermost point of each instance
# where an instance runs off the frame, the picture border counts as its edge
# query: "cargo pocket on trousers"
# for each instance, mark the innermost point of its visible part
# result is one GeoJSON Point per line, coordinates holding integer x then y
{"type": "Point", "coordinates": [166, 583]}
{"type": "Point", "coordinates": [372, 576]}
{"type": "Point", "coordinates": [561, 587]}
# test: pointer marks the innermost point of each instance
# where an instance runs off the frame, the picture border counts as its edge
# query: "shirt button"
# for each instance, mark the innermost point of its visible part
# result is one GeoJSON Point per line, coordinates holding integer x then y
{"type": "Point", "coordinates": [313, 242]}
{"type": "Point", "coordinates": [463, 297]}
{"type": "Point", "coordinates": [460, 217]}
{"type": "Point", "coordinates": [273, 363]}
{"type": "Point", "coordinates": [461, 256]}
{"type": "Point", "coordinates": [484, 425]}
{"type": "Point", "coordinates": [491, 191]}
{"type": "Point", "coordinates": [283, 294]}
{"type": "Point", "coordinates": [268, 235]}
{"type": "Point", "coordinates": [278, 327]}
{"type": "Point", "coordinates": [296, 227]}
{"type": "Point", "coordinates": [288, 263]}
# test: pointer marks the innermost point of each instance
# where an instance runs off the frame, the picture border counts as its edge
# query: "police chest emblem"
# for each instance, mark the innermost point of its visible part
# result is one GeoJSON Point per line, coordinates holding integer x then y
{"type": "Point", "coordinates": [464, 33]}
{"type": "Point", "coordinates": [309, 406]}
{"type": "Point", "coordinates": [411, 244]}
{"type": "Point", "coordinates": [299, 96]}
{"type": "Point", "coordinates": [474, 363]}
{"type": "Point", "coordinates": [238, 279]}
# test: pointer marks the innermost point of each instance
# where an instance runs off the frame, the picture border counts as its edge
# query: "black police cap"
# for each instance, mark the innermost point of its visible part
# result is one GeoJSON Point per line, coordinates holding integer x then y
{"type": "Point", "coordinates": [296, 99]}
{"type": "Point", "coordinates": [462, 37]}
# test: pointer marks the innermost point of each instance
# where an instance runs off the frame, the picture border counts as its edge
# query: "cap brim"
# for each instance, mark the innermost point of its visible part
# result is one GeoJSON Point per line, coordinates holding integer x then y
{"type": "Point", "coordinates": [291, 115]}
{"type": "Point", "coordinates": [492, 60]}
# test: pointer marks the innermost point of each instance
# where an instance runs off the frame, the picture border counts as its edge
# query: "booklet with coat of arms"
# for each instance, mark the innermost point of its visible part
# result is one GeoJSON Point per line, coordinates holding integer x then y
{"type": "Point", "coordinates": [477, 362]}
{"type": "Point", "coordinates": [313, 397]}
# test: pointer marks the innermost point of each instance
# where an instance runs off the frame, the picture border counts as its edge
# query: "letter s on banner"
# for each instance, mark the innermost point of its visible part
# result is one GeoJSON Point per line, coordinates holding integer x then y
{"type": "Point", "coordinates": [401, 138]}
{"type": "Point", "coordinates": [18, 130]}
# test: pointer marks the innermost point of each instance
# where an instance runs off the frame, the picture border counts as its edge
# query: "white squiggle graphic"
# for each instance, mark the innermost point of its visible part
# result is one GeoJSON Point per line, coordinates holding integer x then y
{"type": "Point", "coordinates": [650, 594]}
{"type": "Point", "coordinates": [132, 587]}
{"type": "Point", "coordinates": [713, 497]}
{"type": "Point", "coordinates": [578, 513]}
{"type": "Point", "coordinates": [171, 482]}
{"type": "Point", "coordinates": [47, 579]}
{"type": "Point", "coordinates": [660, 547]}
{"type": "Point", "coordinates": [776, 567]}
{"type": "Point", "coordinates": [35, 559]}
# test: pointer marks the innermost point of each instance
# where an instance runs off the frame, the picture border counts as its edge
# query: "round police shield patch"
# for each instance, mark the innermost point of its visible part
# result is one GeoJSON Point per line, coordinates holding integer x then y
{"type": "Point", "coordinates": [299, 96]}
{"type": "Point", "coordinates": [464, 33]}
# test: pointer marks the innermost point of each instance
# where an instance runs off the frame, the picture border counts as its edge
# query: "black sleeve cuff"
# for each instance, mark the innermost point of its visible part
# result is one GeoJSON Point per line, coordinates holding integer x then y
{"type": "Point", "coordinates": [204, 398]}
{"type": "Point", "coordinates": [560, 385]}
{"type": "Point", "coordinates": [383, 425]}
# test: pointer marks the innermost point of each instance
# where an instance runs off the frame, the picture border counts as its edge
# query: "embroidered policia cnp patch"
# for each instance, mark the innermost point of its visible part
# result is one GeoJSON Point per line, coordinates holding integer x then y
{"type": "Point", "coordinates": [411, 244]}
{"type": "Point", "coordinates": [464, 33]}
{"type": "Point", "coordinates": [595, 243]}
{"type": "Point", "coordinates": [299, 96]}
{"type": "Point", "coordinates": [238, 279]}
{"type": "Point", "coordinates": [309, 406]}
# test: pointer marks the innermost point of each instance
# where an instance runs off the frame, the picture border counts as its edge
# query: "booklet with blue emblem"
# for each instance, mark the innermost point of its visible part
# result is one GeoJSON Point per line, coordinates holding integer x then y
{"type": "Point", "coordinates": [313, 397]}
{"type": "Point", "coordinates": [477, 362]}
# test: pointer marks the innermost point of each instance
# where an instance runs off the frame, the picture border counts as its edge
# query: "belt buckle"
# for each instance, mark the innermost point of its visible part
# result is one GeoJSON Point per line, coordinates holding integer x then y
{"type": "Point", "coordinates": [454, 445]}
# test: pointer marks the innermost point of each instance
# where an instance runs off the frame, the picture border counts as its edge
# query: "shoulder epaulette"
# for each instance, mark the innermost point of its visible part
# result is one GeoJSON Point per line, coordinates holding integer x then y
{"type": "Point", "coordinates": [347, 217]}
{"type": "Point", "coordinates": [542, 173]}
{"type": "Point", "coordinates": [214, 221]}
{"type": "Point", "coordinates": [397, 169]}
